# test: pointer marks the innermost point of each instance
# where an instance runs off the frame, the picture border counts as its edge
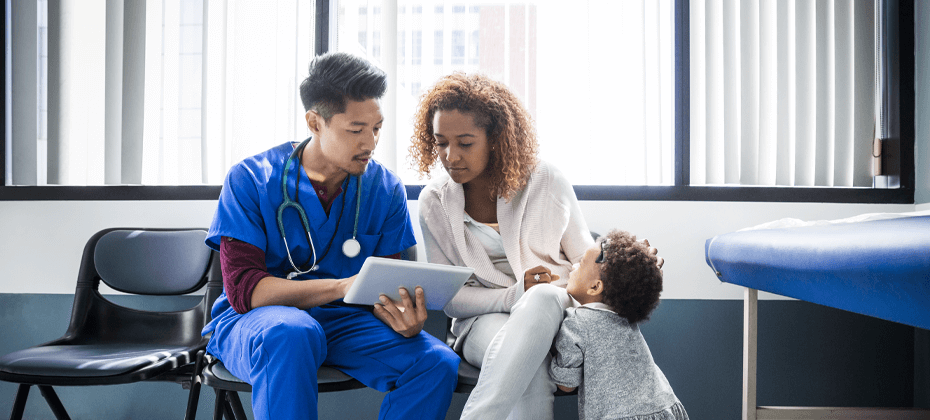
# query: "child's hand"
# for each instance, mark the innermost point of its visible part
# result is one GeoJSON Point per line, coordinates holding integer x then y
{"type": "Point", "coordinates": [659, 260]}
{"type": "Point", "coordinates": [565, 388]}
{"type": "Point", "coordinates": [538, 275]}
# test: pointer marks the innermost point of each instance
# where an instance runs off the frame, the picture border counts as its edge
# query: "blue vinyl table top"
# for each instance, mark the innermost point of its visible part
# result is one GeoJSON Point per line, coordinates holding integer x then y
{"type": "Point", "coordinates": [878, 268]}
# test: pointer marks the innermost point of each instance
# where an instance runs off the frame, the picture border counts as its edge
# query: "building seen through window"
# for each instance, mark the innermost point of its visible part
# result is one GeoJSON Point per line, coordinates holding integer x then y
{"type": "Point", "coordinates": [603, 107]}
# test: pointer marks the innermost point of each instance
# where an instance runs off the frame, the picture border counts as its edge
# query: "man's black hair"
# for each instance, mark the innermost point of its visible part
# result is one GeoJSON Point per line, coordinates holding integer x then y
{"type": "Point", "coordinates": [336, 77]}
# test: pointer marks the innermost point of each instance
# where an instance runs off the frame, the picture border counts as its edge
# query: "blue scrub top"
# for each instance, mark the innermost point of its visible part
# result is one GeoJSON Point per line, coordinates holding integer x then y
{"type": "Point", "coordinates": [248, 207]}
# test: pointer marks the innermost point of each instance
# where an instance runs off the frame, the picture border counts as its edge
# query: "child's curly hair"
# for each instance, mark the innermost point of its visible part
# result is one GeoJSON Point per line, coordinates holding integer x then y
{"type": "Point", "coordinates": [632, 281]}
{"type": "Point", "coordinates": [509, 126]}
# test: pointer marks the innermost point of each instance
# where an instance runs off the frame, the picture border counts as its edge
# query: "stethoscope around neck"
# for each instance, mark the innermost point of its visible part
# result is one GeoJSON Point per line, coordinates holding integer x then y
{"type": "Point", "coordinates": [350, 248]}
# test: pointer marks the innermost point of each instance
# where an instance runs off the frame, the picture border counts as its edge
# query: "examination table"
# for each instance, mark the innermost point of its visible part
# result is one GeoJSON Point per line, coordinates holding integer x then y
{"type": "Point", "coordinates": [879, 268]}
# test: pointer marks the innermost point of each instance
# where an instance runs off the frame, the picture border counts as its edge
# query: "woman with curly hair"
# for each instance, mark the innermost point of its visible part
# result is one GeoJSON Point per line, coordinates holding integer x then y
{"type": "Point", "coordinates": [599, 346]}
{"type": "Point", "coordinates": [511, 217]}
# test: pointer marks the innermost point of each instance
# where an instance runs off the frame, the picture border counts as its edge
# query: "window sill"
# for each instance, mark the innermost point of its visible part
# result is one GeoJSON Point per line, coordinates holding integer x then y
{"type": "Point", "coordinates": [584, 192]}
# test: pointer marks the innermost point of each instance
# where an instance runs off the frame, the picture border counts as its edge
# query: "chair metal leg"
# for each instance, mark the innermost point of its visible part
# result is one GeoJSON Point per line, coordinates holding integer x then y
{"type": "Point", "coordinates": [228, 410]}
{"type": "Point", "coordinates": [19, 404]}
{"type": "Point", "coordinates": [219, 408]}
{"type": "Point", "coordinates": [750, 354]}
{"type": "Point", "coordinates": [193, 399]}
{"type": "Point", "coordinates": [53, 402]}
{"type": "Point", "coordinates": [236, 403]}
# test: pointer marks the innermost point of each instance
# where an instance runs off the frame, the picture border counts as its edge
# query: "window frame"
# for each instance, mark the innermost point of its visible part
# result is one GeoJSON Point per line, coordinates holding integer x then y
{"type": "Point", "coordinates": [680, 191]}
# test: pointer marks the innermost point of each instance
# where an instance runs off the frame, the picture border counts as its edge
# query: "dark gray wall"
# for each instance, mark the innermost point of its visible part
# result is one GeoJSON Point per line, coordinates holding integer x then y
{"type": "Point", "coordinates": [808, 355]}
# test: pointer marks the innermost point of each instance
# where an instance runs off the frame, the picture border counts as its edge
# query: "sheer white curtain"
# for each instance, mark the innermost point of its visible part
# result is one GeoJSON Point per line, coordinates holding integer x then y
{"type": "Point", "coordinates": [256, 55]}
{"type": "Point", "coordinates": [154, 92]}
{"type": "Point", "coordinates": [597, 75]}
{"type": "Point", "coordinates": [782, 92]}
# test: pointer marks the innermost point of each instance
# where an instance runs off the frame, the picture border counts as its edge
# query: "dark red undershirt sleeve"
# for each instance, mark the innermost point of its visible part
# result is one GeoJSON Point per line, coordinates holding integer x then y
{"type": "Point", "coordinates": [243, 266]}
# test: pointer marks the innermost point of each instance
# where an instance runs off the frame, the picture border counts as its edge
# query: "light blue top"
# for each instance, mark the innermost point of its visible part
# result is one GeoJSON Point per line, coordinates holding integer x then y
{"type": "Point", "coordinates": [492, 242]}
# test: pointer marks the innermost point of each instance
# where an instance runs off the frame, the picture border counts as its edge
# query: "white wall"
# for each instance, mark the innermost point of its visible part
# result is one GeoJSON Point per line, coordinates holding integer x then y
{"type": "Point", "coordinates": [42, 241]}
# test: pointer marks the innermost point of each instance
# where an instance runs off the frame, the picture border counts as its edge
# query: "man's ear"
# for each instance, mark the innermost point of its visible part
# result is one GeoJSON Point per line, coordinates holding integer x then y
{"type": "Point", "coordinates": [314, 122]}
{"type": "Point", "coordinates": [597, 287]}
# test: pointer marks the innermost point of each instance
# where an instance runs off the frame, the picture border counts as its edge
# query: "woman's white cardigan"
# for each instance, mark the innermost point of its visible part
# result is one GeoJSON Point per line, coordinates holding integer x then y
{"type": "Point", "coordinates": [541, 225]}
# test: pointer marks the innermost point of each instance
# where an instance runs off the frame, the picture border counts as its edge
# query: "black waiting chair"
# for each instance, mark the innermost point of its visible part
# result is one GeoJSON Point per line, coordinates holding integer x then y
{"type": "Point", "coordinates": [108, 344]}
{"type": "Point", "coordinates": [228, 386]}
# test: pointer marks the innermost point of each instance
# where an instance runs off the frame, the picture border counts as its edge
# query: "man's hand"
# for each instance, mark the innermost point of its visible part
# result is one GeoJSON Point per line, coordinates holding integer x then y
{"type": "Point", "coordinates": [408, 319]}
{"type": "Point", "coordinates": [538, 275]}
{"type": "Point", "coordinates": [346, 284]}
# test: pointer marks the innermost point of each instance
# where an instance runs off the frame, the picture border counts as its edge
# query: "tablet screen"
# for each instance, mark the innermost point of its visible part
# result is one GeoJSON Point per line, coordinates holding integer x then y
{"type": "Point", "coordinates": [385, 276]}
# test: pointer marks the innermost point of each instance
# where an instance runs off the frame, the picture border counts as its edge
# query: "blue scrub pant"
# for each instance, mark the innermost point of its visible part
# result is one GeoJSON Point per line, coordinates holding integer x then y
{"type": "Point", "coordinates": [278, 350]}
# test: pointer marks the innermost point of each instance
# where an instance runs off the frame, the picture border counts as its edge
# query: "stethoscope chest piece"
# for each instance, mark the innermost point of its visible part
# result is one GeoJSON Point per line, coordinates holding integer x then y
{"type": "Point", "coordinates": [351, 248]}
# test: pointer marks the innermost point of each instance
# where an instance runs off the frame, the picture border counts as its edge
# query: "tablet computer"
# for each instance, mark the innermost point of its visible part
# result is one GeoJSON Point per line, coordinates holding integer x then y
{"type": "Point", "coordinates": [385, 276]}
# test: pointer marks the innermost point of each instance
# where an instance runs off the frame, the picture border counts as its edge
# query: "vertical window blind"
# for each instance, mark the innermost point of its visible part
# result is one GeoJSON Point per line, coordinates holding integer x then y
{"type": "Point", "coordinates": [159, 92]}
{"type": "Point", "coordinates": [782, 92]}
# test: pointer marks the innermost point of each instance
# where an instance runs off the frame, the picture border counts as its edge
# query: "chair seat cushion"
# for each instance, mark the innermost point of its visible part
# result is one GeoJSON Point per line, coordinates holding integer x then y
{"type": "Point", "coordinates": [95, 360]}
{"type": "Point", "coordinates": [468, 374]}
{"type": "Point", "coordinates": [324, 375]}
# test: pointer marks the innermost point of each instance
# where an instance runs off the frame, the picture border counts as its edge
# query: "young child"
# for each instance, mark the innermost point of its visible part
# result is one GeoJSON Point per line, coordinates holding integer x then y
{"type": "Point", "coordinates": [599, 347]}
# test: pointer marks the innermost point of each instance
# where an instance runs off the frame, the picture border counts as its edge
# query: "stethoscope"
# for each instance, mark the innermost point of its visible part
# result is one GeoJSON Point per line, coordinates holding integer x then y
{"type": "Point", "coordinates": [351, 248]}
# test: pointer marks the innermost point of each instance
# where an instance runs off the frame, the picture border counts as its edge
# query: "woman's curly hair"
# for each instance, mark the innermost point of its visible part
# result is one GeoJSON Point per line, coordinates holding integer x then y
{"type": "Point", "coordinates": [509, 126]}
{"type": "Point", "coordinates": [632, 281]}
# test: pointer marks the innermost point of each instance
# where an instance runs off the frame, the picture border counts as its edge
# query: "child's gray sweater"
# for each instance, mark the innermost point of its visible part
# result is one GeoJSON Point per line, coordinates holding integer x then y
{"type": "Point", "coordinates": [600, 352]}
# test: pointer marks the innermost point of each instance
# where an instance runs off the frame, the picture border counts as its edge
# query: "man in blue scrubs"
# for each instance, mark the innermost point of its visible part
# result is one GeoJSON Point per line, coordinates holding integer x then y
{"type": "Point", "coordinates": [274, 332]}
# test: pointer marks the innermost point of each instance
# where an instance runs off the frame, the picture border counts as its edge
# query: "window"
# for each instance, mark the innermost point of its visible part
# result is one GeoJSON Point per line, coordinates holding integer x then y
{"type": "Point", "coordinates": [625, 142]}
{"type": "Point", "coordinates": [474, 48]}
{"type": "Point", "coordinates": [437, 47]}
{"type": "Point", "coordinates": [607, 123]}
{"type": "Point", "coordinates": [363, 27]}
{"type": "Point", "coordinates": [402, 48]}
{"type": "Point", "coordinates": [154, 107]}
{"type": "Point", "coordinates": [782, 93]}
{"type": "Point", "coordinates": [621, 111]}
{"type": "Point", "coordinates": [416, 47]}
{"type": "Point", "coordinates": [458, 47]}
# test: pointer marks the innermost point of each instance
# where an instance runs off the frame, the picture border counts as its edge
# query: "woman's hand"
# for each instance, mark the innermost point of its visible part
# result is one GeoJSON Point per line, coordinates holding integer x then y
{"type": "Point", "coordinates": [538, 275]}
{"type": "Point", "coordinates": [652, 251]}
{"type": "Point", "coordinates": [406, 320]}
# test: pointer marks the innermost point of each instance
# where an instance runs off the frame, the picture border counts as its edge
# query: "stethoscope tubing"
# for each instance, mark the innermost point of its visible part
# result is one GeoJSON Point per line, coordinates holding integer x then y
{"type": "Point", "coordinates": [351, 246]}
